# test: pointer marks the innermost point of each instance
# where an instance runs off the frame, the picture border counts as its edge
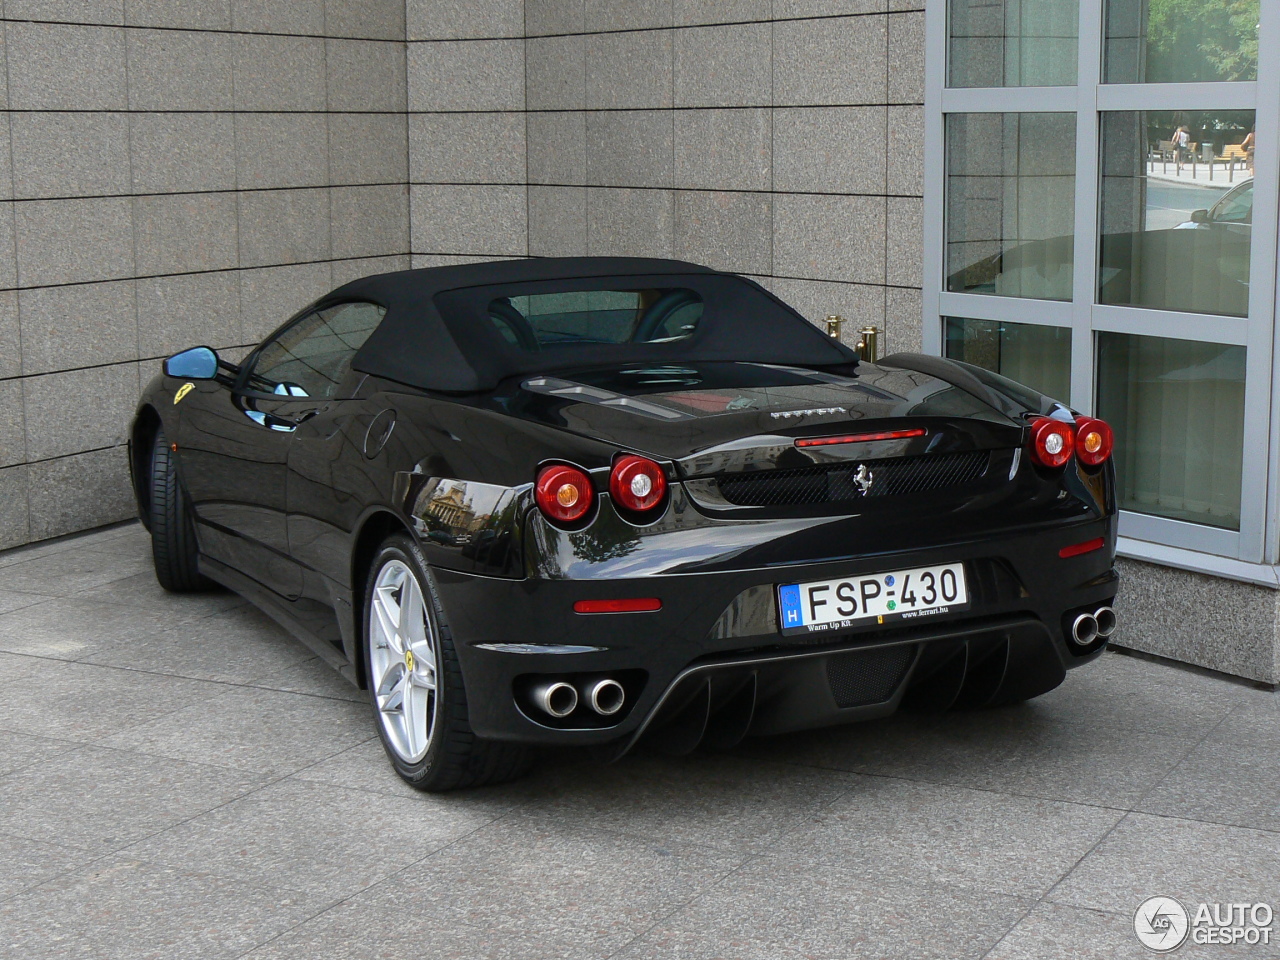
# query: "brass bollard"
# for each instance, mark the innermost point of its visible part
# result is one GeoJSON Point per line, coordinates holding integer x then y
{"type": "Point", "coordinates": [868, 346]}
{"type": "Point", "coordinates": [833, 326]}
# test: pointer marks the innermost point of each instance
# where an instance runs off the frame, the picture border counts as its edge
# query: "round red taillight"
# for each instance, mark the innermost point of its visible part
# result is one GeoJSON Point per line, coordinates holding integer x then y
{"type": "Point", "coordinates": [563, 493]}
{"type": "Point", "coordinates": [1094, 440]}
{"type": "Point", "coordinates": [637, 484]}
{"type": "Point", "coordinates": [1052, 442]}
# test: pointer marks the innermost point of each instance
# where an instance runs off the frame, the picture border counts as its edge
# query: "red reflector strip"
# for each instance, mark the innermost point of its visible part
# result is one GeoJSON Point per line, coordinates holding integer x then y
{"type": "Point", "coordinates": [861, 437]}
{"type": "Point", "coordinates": [1076, 549]}
{"type": "Point", "coordinates": [639, 605]}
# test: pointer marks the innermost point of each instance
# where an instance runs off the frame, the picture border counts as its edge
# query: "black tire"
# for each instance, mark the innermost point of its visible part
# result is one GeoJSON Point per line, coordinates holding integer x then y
{"type": "Point", "coordinates": [455, 757]}
{"type": "Point", "coordinates": [173, 532]}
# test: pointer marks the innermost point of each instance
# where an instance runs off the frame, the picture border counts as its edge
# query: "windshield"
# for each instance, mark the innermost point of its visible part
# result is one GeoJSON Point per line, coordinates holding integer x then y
{"type": "Point", "coordinates": [1236, 206]}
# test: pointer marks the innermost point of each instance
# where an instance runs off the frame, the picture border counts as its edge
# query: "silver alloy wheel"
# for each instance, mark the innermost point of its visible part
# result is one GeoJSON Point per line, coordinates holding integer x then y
{"type": "Point", "coordinates": [402, 660]}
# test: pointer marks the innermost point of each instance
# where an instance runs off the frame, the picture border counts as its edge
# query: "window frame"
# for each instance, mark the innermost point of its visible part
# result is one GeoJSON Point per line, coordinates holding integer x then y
{"type": "Point", "coordinates": [1241, 554]}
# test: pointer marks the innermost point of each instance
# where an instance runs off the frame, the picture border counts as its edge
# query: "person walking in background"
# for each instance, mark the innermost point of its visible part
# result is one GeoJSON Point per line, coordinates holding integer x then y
{"type": "Point", "coordinates": [1247, 145]}
{"type": "Point", "coordinates": [1181, 147]}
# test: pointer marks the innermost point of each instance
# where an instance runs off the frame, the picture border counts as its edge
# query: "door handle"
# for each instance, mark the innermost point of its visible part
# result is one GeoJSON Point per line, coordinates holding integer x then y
{"type": "Point", "coordinates": [271, 422]}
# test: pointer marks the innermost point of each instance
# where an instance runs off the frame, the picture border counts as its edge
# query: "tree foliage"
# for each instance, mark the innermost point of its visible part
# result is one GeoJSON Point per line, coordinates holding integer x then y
{"type": "Point", "coordinates": [1194, 40]}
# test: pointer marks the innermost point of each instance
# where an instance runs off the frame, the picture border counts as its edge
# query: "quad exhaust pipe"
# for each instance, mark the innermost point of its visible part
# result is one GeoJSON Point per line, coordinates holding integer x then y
{"type": "Point", "coordinates": [606, 697]}
{"type": "Point", "coordinates": [556, 698]}
{"type": "Point", "coordinates": [1106, 618]}
{"type": "Point", "coordinates": [1088, 627]}
{"type": "Point", "coordinates": [559, 698]}
{"type": "Point", "coordinates": [1084, 629]}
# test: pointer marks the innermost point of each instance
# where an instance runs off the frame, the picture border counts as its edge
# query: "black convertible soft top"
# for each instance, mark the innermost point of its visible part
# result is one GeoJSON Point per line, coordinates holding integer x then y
{"type": "Point", "coordinates": [436, 334]}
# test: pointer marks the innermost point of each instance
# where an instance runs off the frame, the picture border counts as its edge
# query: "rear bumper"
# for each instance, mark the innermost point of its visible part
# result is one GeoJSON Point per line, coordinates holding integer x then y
{"type": "Point", "coordinates": [714, 649]}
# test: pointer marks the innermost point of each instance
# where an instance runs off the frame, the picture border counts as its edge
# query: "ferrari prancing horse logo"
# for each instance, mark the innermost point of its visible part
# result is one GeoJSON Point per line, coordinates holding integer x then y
{"type": "Point", "coordinates": [182, 392]}
{"type": "Point", "coordinates": [863, 478]}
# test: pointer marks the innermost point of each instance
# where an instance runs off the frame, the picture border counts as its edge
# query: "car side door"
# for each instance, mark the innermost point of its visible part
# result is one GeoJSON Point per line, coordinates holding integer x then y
{"type": "Point", "coordinates": [329, 475]}
{"type": "Point", "coordinates": [235, 450]}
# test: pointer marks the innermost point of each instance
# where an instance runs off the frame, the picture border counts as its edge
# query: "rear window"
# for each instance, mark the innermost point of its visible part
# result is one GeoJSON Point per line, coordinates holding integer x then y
{"type": "Point", "coordinates": [532, 322]}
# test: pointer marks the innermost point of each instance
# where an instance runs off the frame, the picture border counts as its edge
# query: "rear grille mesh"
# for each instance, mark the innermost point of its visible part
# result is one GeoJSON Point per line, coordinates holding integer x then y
{"type": "Point", "coordinates": [866, 677]}
{"type": "Point", "coordinates": [826, 483]}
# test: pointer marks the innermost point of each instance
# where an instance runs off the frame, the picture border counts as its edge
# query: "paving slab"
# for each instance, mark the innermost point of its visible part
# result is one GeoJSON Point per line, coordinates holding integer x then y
{"type": "Point", "coordinates": [143, 588]}
{"type": "Point", "coordinates": [1019, 750]}
{"type": "Point", "coordinates": [1195, 862]}
{"type": "Point", "coordinates": [824, 910]}
{"type": "Point", "coordinates": [103, 800]}
{"type": "Point", "coordinates": [121, 909]}
{"type": "Point", "coordinates": [976, 839]}
{"type": "Point", "coordinates": [181, 778]}
{"type": "Point", "coordinates": [511, 890]}
{"type": "Point", "coordinates": [26, 863]}
{"type": "Point", "coordinates": [76, 701]}
{"type": "Point", "coordinates": [80, 541]}
{"type": "Point", "coordinates": [240, 646]}
{"type": "Point", "coordinates": [20, 750]}
{"type": "Point", "coordinates": [258, 731]}
{"type": "Point", "coordinates": [315, 678]}
{"type": "Point", "coordinates": [72, 570]}
{"type": "Point", "coordinates": [11, 600]}
{"type": "Point", "coordinates": [725, 802]}
{"type": "Point", "coordinates": [316, 838]}
{"type": "Point", "coordinates": [72, 628]}
{"type": "Point", "coordinates": [1231, 777]}
{"type": "Point", "coordinates": [1129, 693]}
{"type": "Point", "coordinates": [365, 767]}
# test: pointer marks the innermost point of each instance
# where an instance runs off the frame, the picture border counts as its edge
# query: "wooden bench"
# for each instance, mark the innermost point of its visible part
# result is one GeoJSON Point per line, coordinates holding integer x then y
{"type": "Point", "coordinates": [1232, 154]}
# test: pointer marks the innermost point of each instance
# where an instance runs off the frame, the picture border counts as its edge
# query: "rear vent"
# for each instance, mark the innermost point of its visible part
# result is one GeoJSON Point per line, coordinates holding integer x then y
{"type": "Point", "coordinates": [830, 482]}
{"type": "Point", "coordinates": [867, 676]}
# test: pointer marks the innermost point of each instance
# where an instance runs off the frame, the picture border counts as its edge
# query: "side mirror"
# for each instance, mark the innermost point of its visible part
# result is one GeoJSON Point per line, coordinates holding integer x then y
{"type": "Point", "coordinates": [198, 363]}
{"type": "Point", "coordinates": [1199, 216]}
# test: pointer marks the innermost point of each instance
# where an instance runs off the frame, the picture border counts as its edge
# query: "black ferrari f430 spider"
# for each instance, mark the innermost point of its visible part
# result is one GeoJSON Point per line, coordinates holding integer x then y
{"type": "Point", "coordinates": [589, 501]}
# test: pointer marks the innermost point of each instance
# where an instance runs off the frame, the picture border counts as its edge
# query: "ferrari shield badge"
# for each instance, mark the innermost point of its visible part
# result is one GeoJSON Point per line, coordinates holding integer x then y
{"type": "Point", "coordinates": [183, 391]}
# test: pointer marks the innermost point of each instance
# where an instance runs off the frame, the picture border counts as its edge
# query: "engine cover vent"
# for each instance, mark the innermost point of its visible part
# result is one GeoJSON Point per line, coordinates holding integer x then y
{"type": "Point", "coordinates": [833, 482]}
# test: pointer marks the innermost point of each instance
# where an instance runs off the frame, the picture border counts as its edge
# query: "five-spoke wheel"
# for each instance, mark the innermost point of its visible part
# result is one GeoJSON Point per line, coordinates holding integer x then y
{"type": "Point", "coordinates": [415, 680]}
{"type": "Point", "coordinates": [403, 661]}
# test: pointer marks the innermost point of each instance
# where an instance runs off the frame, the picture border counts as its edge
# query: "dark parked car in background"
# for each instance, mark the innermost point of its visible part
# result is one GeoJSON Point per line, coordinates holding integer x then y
{"type": "Point", "coordinates": [590, 501]}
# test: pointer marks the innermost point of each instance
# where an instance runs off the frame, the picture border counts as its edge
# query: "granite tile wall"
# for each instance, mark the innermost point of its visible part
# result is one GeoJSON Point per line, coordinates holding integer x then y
{"type": "Point", "coordinates": [184, 172]}
{"type": "Point", "coordinates": [777, 138]}
{"type": "Point", "coordinates": [1220, 624]}
{"type": "Point", "coordinates": [175, 172]}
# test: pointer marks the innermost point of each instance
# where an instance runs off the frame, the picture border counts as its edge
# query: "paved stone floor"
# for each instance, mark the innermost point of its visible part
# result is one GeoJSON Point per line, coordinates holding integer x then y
{"type": "Point", "coordinates": [178, 778]}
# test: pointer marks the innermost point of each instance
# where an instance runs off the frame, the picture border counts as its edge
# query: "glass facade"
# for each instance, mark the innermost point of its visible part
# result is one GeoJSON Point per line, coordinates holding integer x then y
{"type": "Point", "coordinates": [1012, 43]}
{"type": "Point", "coordinates": [1110, 239]}
{"type": "Point", "coordinates": [1177, 407]}
{"type": "Point", "coordinates": [1038, 356]}
{"type": "Point", "coordinates": [1011, 204]}
{"type": "Point", "coordinates": [1181, 41]}
{"type": "Point", "coordinates": [1176, 211]}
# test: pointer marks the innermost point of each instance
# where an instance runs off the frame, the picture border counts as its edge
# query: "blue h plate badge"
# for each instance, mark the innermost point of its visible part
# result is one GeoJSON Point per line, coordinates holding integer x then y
{"type": "Point", "coordinates": [789, 597]}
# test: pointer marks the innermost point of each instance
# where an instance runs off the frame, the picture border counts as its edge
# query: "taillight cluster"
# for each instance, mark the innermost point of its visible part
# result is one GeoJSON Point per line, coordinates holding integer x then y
{"type": "Point", "coordinates": [1094, 440]}
{"type": "Point", "coordinates": [637, 486]}
{"type": "Point", "coordinates": [1053, 442]}
{"type": "Point", "coordinates": [564, 493]}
